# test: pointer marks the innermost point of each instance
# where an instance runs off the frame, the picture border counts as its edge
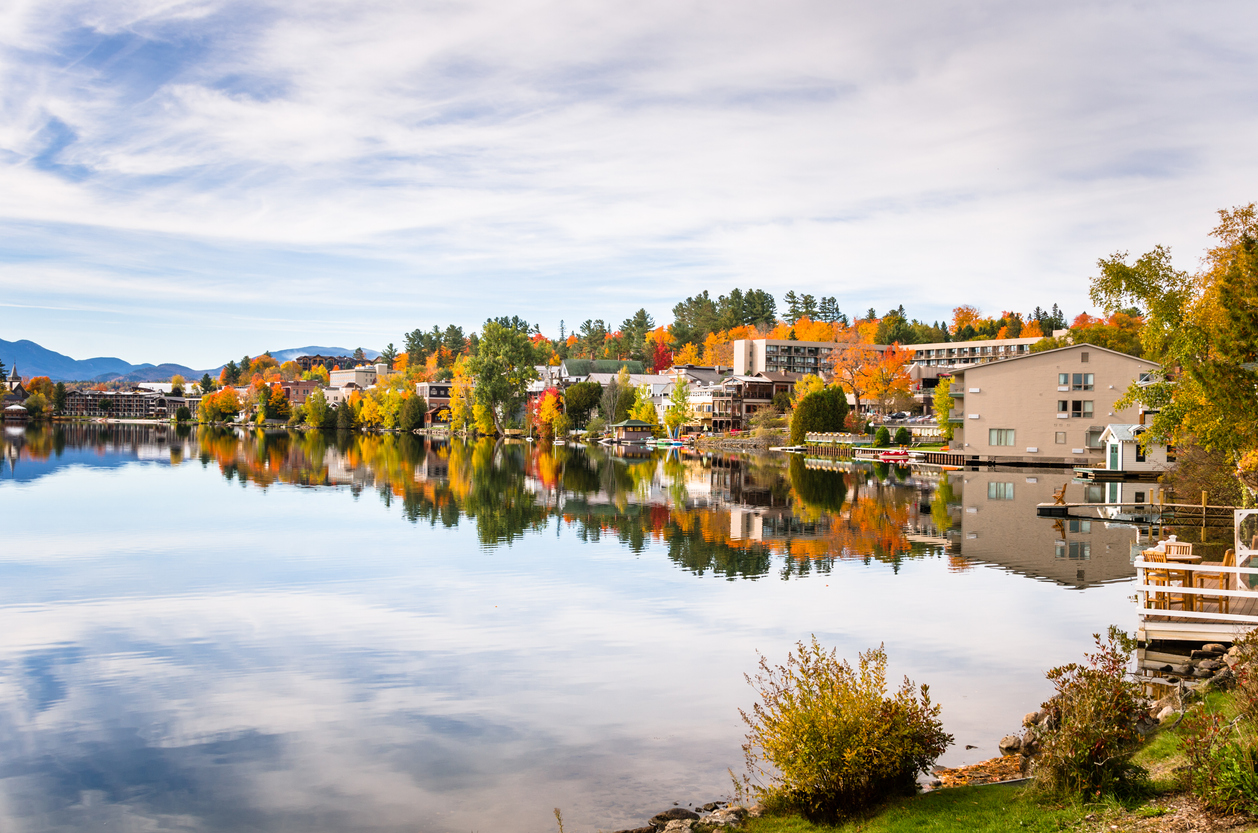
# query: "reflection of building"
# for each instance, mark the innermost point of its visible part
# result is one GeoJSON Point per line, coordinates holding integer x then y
{"type": "Point", "coordinates": [994, 519]}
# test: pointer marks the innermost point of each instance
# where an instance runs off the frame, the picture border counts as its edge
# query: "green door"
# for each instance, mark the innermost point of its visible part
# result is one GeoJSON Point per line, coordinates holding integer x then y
{"type": "Point", "coordinates": [1113, 456]}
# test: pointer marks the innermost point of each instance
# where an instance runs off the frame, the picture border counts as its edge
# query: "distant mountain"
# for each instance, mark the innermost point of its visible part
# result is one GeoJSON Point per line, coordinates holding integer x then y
{"type": "Point", "coordinates": [282, 356]}
{"type": "Point", "coordinates": [33, 360]}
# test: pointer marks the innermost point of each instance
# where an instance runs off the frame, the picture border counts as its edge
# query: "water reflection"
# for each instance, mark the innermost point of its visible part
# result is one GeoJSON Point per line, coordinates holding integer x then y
{"type": "Point", "coordinates": [214, 630]}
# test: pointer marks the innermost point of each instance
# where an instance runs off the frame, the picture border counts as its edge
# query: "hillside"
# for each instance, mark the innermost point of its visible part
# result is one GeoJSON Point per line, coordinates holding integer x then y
{"type": "Point", "coordinates": [32, 359]}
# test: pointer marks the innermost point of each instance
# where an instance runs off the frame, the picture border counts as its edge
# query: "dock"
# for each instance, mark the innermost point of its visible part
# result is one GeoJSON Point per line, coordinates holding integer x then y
{"type": "Point", "coordinates": [1201, 602]}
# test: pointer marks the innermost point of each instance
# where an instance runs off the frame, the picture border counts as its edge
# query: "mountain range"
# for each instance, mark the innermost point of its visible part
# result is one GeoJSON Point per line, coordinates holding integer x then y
{"type": "Point", "coordinates": [32, 359]}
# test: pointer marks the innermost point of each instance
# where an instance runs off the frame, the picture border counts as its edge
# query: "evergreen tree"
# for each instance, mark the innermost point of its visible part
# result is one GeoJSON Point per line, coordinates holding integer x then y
{"type": "Point", "coordinates": [808, 307]}
{"type": "Point", "coordinates": [59, 397]}
{"type": "Point", "coordinates": [792, 306]}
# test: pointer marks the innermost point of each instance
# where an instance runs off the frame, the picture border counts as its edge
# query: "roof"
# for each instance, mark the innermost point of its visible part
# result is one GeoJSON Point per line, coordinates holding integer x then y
{"type": "Point", "coordinates": [780, 376]}
{"type": "Point", "coordinates": [970, 368]}
{"type": "Point", "coordinates": [16, 408]}
{"type": "Point", "coordinates": [584, 367]}
{"type": "Point", "coordinates": [1126, 433]}
{"type": "Point", "coordinates": [631, 423]}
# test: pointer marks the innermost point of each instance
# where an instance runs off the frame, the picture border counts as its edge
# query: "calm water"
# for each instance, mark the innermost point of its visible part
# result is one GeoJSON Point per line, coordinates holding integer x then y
{"type": "Point", "coordinates": [211, 631]}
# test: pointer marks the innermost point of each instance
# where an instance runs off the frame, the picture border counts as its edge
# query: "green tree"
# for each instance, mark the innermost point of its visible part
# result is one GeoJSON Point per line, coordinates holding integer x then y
{"type": "Point", "coordinates": [59, 398]}
{"type": "Point", "coordinates": [820, 412]}
{"type": "Point", "coordinates": [793, 311]}
{"type": "Point", "coordinates": [678, 412]}
{"type": "Point", "coordinates": [231, 373]}
{"type": "Point", "coordinates": [360, 355]}
{"type": "Point", "coordinates": [182, 414]}
{"type": "Point", "coordinates": [943, 403]}
{"type": "Point", "coordinates": [580, 399]}
{"type": "Point", "coordinates": [502, 368]}
{"type": "Point", "coordinates": [317, 409]}
{"type": "Point", "coordinates": [903, 436]}
{"type": "Point", "coordinates": [36, 405]}
{"type": "Point", "coordinates": [346, 420]}
{"type": "Point", "coordinates": [207, 384]}
{"type": "Point", "coordinates": [882, 437]}
{"type": "Point", "coordinates": [413, 413]}
{"type": "Point", "coordinates": [389, 355]}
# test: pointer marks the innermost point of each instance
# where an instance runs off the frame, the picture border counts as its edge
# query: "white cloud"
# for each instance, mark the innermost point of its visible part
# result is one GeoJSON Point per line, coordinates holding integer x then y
{"type": "Point", "coordinates": [924, 154]}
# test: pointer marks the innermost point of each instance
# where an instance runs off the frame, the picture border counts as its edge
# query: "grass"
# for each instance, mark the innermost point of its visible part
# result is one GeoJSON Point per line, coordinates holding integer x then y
{"type": "Point", "coordinates": [995, 809]}
{"type": "Point", "coordinates": [1013, 807]}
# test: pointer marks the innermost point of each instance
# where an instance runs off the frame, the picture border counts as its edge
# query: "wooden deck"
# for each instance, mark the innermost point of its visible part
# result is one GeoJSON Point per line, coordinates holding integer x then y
{"type": "Point", "coordinates": [1185, 601]}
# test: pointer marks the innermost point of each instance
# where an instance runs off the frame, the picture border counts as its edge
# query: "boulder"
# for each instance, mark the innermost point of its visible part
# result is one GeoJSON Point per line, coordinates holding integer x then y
{"type": "Point", "coordinates": [1030, 719]}
{"type": "Point", "coordinates": [711, 805]}
{"type": "Point", "coordinates": [1223, 680]}
{"type": "Point", "coordinates": [724, 818]}
{"type": "Point", "coordinates": [1202, 673]}
{"type": "Point", "coordinates": [1211, 664]}
{"type": "Point", "coordinates": [756, 811]}
{"type": "Point", "coordinates": [1010, 745]}
{"type": "Point", "coordinates": [659, 820]}
{"type": "Point", "coordinates": [1204, 654]}
{"type": "Point", "coordinates": [678, 826]}
{"type": "Point", "coordinates": [1214, 648]}
{"type": "Point", "coordinates": [1166, 712]}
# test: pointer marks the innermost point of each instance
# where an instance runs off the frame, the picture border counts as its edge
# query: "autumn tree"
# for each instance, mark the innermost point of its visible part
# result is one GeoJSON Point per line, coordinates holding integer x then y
{"type": "Point", "coordinates": [1203, 329]}
{"type": "Point", "coordinates": [885, 379]}
{"type": "Point", "coordinates": [964, 316]}
{"type": "Point", "coordinates": [853, 353]}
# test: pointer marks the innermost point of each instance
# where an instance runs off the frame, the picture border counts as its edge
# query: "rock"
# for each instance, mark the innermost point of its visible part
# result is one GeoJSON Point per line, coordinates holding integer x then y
{"type": "Point", "coordinates": [1232, 660]}
{"type": "Point", "coordinates": [1223, 680]}
{"type": "Point", "coordinates": [1204, 654]}
{"type": "Point", "coordinates": [711, 805]}
{"type": "Point", "coordinates": [678, 826]}
{"type": "Point", "coordinates": [672, 814]}
{"type": "Point", "coordinates": [1202, 673]}
{"type": "Point", "coordinates": [639, 830]}
{"type": "Point", "coordinates": [1214, 648]}
{"type": "Point", "coordinates": [1211, 664]}
{"type": "Point", "coordinates": [726, 817]}
{"type": "Point", "coordinates": [1166, 712]}
{"type": "Point", "coordinates": [934, 783]}
{"type": "Point", "coordinates": [1010, 745]}
{"type": "Point", "coordinates": [1182, 670]}
{"type": "Point", "coordinates": [755, 811]}
{"type": "Point", "coordinates": [1233, 651]}
{"type": "Point", "coordinates": [1031, 719]}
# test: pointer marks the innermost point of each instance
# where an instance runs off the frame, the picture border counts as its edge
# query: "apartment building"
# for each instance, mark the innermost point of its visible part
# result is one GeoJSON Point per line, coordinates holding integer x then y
{"type": "Point", "coordinates": [1044, 407]}
{"type": "Point", "coordinates": [753, 356]}
{"type": "Point", "coordinates": [961, 353]}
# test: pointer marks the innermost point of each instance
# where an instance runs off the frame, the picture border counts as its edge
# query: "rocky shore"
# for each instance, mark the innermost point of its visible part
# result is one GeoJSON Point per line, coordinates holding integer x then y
{"type": "Point", "coordinates": [715, 815]}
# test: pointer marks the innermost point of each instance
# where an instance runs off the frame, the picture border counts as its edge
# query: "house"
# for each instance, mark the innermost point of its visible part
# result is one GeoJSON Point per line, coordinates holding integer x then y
{"type": "Point", "coordinates": [298, 389]}
{"type": "Point", "coordinates": [1048, 407]}
{"type": "Point", "coordinates": [437, 395]}
{"type": "Point", "coordinates": [14, 392]}
{"type": "Point", "coordinates": [1125, 452]}
{"type": "Point", "coordinates": [16, 413]}
{"type": "Point", "coordinates": [632, 430]}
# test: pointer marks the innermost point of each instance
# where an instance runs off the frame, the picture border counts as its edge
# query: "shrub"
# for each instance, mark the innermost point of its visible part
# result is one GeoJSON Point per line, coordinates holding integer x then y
{"type": "Point", "coordinates": [882, 439]}
{"type": "Point", "coordinates": [1220, 768]}
{"type": "Point", "coordinates": [182, 414]}
{"type": "Point", "coordinates": [903, 437]}
{"type": "Point", "coordinates": [834, 739]}
{"type": "Point", "coordinates": [1091, 730]}
{"type": "Point", "coordinates": [822, 411]}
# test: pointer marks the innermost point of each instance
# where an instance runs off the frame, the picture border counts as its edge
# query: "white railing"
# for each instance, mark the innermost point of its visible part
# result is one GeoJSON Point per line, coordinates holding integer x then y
{"type": "Point", "coordinates": [1191, 596]}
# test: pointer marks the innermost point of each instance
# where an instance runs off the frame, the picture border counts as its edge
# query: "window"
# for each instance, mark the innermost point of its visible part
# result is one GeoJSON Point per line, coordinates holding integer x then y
{"type": "Point", "coordinates": [1083, 357]}
{"type": "Point", "coordinates": [1000, 436]}
{"type": "Point", "coordinates": [1063, 406]}
{"type": "Point", "coordinates": [1063, 380]}
{"type": "Point", "coordinates": [1080, 551]}
{"type": "Point", "coordinates": [1139, 452]}
{"type": "Point", "coordinates": [1170, 454]}
{"type": "Point", "coordinates": [1139, 497]}
{"type": "Point", "coordinates": [1000, 491]}
{"type": "Point", "coordinates": [1081, 408]}
{"type": "Point", "coordinates": [1080, 526]}
{"type": "Point", "coordinates": [1082, 381]}
{"type": "Point", "coordinates": [1060, 438]}
{"type": "Point", "coordinates": [1146, 377]}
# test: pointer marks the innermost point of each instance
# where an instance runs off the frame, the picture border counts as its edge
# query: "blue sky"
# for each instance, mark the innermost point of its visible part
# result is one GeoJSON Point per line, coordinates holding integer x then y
{"type": "Point", "coordinates": [189, 181]}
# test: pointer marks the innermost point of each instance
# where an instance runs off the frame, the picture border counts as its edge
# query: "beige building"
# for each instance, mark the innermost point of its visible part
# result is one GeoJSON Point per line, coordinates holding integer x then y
{"type": "Point", "coordinates": [1049, 407]}
{"type": "Point", "coordinates": [961, 353]}
{"type": "Point", "coordinates": [752, 356]}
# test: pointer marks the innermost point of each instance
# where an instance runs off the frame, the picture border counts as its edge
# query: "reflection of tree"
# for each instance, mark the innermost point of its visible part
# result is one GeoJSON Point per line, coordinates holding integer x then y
{"type": "Point", "coordinates": [726, 516]}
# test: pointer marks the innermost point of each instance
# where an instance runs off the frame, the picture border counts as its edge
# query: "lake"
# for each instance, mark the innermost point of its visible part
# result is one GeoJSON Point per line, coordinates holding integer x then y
{"type": "Point", "coordinates": [209, 630]}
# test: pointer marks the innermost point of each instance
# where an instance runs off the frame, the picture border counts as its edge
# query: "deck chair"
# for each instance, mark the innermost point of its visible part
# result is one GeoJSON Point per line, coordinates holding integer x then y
{"type": "Point", "coordinates": [1162, 577]}
{"type": "Point", "coordinates": [1223, 581]}
{"type": "Point", "coordinates": [1059, 498]}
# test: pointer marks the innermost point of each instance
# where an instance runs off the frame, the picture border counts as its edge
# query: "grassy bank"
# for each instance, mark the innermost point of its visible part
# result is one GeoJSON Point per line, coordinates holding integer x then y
{"type": "Point", "coordinates": [1018, 807]}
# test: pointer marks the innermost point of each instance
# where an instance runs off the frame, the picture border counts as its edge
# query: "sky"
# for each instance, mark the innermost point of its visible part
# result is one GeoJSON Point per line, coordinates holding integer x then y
{"type": "Point", "coordinates": [190, 181]}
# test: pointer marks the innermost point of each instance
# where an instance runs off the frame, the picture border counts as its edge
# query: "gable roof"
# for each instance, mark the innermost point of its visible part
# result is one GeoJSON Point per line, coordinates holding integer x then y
{"type": "Point", "coordinates": [584, 367]}
{"type": "Point", "coordinates": [966, 368]}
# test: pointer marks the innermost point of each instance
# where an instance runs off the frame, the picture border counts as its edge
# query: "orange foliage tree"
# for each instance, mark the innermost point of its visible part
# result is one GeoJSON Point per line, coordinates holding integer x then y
{"type": "Point", "coordinates": [965, 315]}
{"type": "Point", "coordinates": [853, 352]}
{"type": "Point", "coordinates": [886, 377]}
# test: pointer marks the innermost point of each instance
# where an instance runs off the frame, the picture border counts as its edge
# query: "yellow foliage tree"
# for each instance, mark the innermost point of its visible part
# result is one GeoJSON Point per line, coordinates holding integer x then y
{"type": "Point", "coordinates": [687, 355]}
{"type": "Point", "coordinates": [810, 383]}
